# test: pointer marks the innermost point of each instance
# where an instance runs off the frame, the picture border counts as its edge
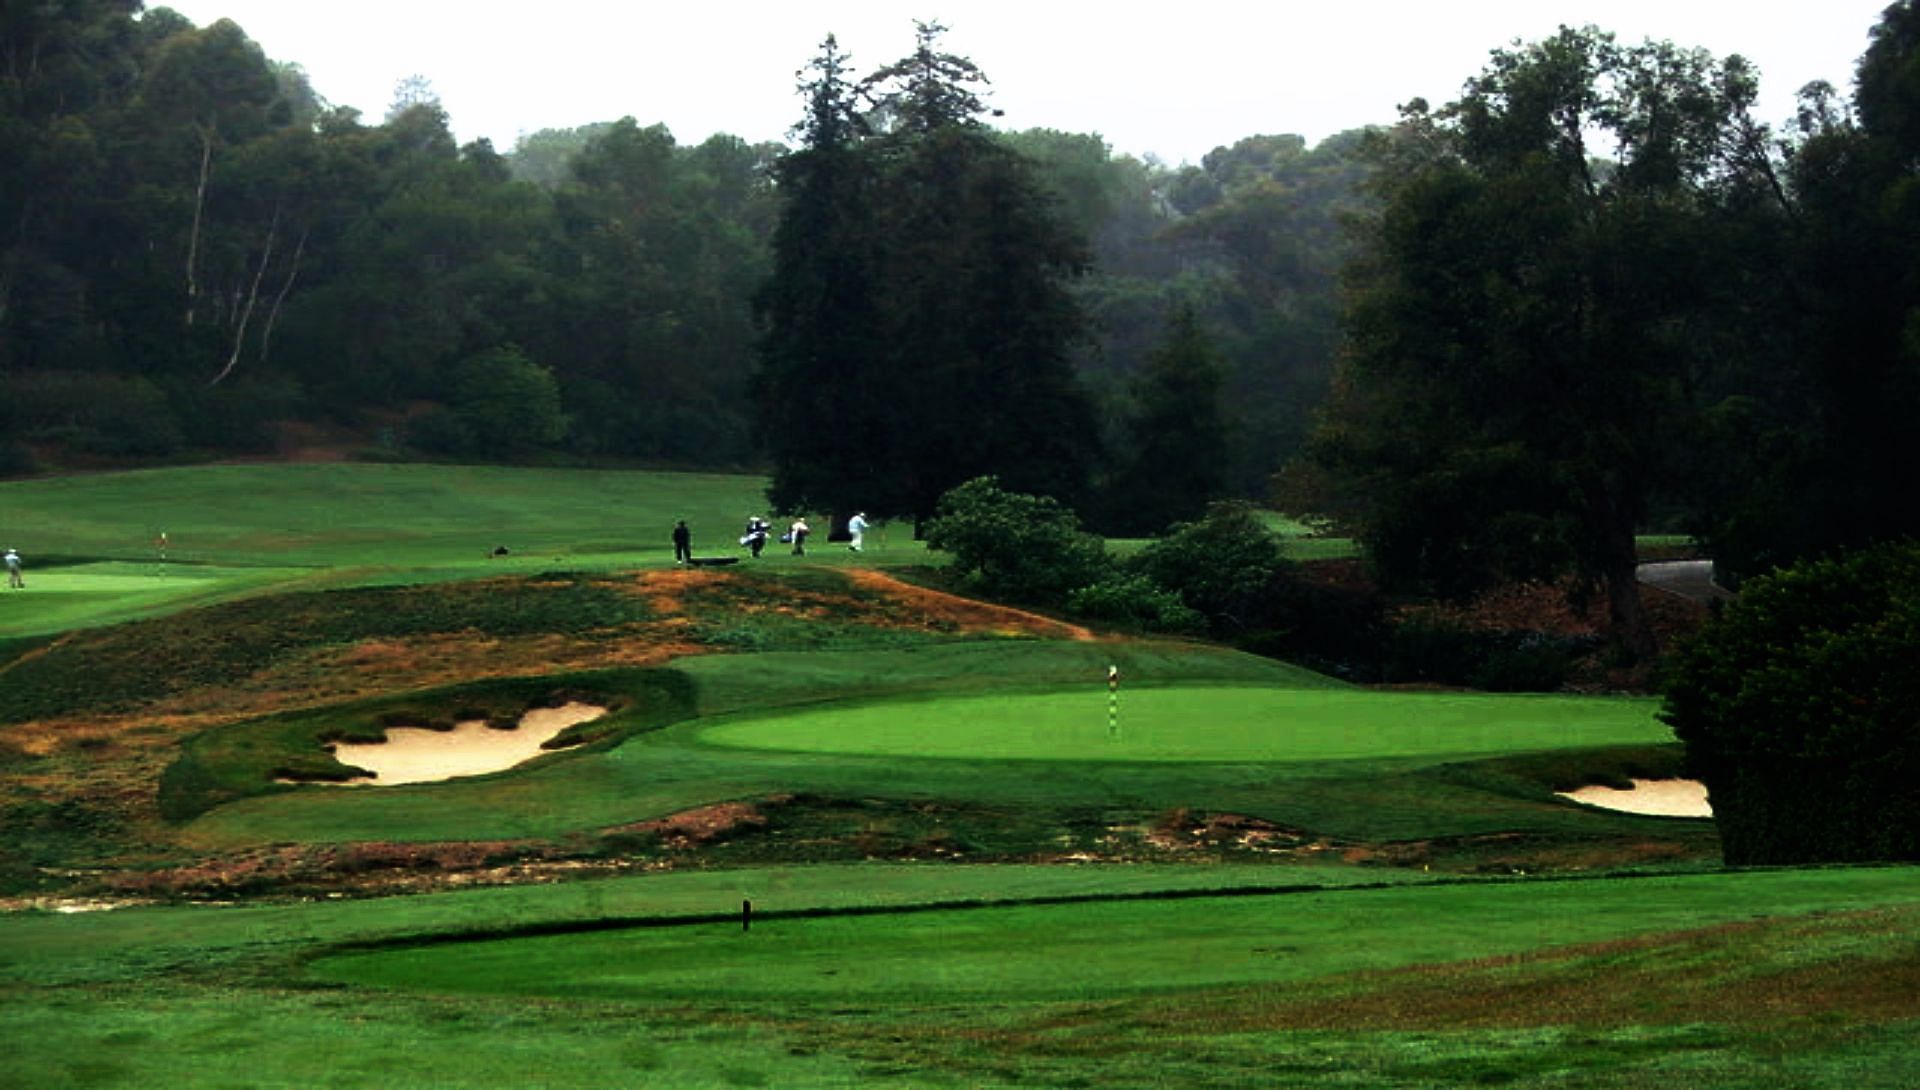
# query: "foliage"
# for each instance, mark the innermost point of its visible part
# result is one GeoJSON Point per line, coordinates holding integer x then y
{"type": "Point", "coordinates": [1798, 707]}
{"type": "Point", "coordinates": [1812, 434]}
{"type": "Point", "coordinates": [1013, 545]}
{"type": "Point", "coordinates": [1221, 565]}
{"type": "Point", "coordinates": [1174, 457]}
{"type": "Point", "coordinates": [1519, 340]}
{"type": "Point", "coordinates": [919, 322]}
{"type": "Point", "coordinates": [1135, 601]}
{"type": "Point", "coordinates": [507, 402]}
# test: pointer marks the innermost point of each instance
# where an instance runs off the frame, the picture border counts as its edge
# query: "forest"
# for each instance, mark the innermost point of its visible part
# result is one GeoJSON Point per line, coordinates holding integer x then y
{"type": "Point", "coordinates": [198, 252]}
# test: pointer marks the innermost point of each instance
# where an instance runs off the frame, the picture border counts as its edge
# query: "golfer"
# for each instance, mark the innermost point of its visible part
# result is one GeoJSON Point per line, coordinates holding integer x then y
{"type": "Point", "coordinates": [682, 543]}
{"type": "Point", "coordinates": [13, 570]}
{"type": "Point", "coordinates": [798, 532]}
{"type": "Point", "coordinates": [857, 526]}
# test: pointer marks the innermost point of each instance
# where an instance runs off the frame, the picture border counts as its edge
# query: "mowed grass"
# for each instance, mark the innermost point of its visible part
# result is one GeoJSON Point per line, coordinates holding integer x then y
{"type": "Point", "coordinates": [1103, 949]}
{"type": "Point", "coordinates": [936, 724]}
{"type": "Point", "coordinates": [924, 976]}
{"type": "Point", "coordinates": [1204, 723]}
{"type": "Point", "coordinates": [1302, 970]}
{"type": "Point", "coordinates": [91, 542]}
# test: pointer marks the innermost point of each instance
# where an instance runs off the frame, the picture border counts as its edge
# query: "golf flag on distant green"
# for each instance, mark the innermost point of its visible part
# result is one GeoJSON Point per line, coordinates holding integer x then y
{"type": "Point", "coordinates": [1113, 701]}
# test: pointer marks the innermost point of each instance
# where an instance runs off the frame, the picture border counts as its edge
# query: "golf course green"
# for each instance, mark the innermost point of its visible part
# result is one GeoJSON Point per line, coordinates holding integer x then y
{"type": "Point", "coordinates": [1203, 723]}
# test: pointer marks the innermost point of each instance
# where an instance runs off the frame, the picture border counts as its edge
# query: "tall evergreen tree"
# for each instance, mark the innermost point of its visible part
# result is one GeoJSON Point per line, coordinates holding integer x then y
{"type": "Point", "coordinates": [826, 405]}
{"type": "Point", "coordinates": [1176, 456]}
{"type": "Point", "coordinates": [980, 321]}
{"type": "Point", "coordinates": [918, 322]}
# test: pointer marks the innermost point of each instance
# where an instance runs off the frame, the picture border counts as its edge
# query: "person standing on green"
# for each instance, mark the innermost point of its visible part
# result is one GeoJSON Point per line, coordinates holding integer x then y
{"type": "Point", "coordinates": [682, 543]}
{"type": "Point", "coordinates": [13, 570]}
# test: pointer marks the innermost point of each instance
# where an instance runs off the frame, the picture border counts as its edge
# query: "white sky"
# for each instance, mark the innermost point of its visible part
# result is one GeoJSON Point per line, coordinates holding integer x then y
{"type": "Point", "coordinates": [1170, 80]}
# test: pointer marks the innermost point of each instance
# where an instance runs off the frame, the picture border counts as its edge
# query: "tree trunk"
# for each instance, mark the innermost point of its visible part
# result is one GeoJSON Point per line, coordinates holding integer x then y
{"type": "Point", "coordinates": [253, 296]}
{"type": "Point", "coordinates": [273, 313]}
{"type": "Point", "coordinates": [199, 207]}
{"type": "Point", "coordinates": [1629, 627]}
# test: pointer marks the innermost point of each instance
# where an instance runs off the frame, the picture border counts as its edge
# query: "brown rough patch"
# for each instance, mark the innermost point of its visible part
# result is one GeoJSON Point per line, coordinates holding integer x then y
{"type": "Point", "coordinates": [701, 825]}
{"type": "Point", "coordinates": [1663, 979]}
{"type": "Point", "coordinates": [939, 609]}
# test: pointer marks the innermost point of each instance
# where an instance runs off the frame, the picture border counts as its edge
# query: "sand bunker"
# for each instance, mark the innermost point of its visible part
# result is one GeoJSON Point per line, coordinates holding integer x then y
{"type": "Point", "coordinates": [1659, 798]}
{"type": "Point", "coordinates": [418, 755]}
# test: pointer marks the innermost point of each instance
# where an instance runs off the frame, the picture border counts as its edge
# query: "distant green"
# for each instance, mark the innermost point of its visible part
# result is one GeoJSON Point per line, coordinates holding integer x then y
{"type": "Point", "coordinates": [1204, 724]}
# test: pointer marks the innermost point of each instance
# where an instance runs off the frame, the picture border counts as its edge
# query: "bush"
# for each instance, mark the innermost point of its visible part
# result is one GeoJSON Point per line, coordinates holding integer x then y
{"type": "Point", "coordinates": [1222, 566]}
{"type": "Point", "coordinates": [1800, 709]}
{"type": "Point", "coordinates": [1136, 601]}
{"type": "Point", "coordinates": [1012, 545]}
{"type": "Point", "coordinates": [94, 413]}
{"type": "Point", "coordinates": [505, 404]}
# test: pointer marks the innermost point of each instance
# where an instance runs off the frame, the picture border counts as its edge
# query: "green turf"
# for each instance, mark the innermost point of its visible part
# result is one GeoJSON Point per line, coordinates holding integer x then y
{"type": "Point", "coordinates": [1093, 951]}
{"type": "Point", "coordinates": [1382, 776]}
{"type": "Point", "coordinates": [233, 529]}
{"type": "Point", "coordinates": [1204, 724]}
{"type": "Point", "coordinates": [1694, 981]}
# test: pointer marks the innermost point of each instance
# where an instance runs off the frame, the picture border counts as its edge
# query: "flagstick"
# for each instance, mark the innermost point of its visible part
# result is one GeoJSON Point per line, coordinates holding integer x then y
{"type": "Point", "coordinates": [1113, 702]}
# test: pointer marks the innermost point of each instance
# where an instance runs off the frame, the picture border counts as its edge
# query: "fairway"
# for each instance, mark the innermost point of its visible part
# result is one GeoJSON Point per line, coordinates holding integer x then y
{"type": "Point", "coordinates": [1105, 949]}
{"type": "Point", "coordinates": [1203, 723]}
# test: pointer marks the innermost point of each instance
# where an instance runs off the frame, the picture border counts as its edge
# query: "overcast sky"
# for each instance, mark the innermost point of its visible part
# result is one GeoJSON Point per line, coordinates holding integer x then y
{"type": "Point", "coordinates": [1172, 80]}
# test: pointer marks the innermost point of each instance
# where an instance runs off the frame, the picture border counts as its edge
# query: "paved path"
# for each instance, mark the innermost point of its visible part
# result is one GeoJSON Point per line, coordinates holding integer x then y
{"type": "Point", "coordinates": [1687, 578]}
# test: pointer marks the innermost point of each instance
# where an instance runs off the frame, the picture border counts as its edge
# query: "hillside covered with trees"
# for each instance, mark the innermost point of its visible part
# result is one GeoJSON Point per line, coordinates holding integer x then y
{"type": "Point", "coordinates": [196, 249]}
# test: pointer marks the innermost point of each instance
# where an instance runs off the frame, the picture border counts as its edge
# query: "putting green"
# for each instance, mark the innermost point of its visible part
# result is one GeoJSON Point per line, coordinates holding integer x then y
{"type": "Point", "coordinates": [1212, 723]}
{"type": "Point", "coordinates": [58, 598]}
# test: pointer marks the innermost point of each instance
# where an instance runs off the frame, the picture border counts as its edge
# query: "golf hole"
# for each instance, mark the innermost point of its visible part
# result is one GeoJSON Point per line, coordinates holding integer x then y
{"type": "Point", "coordinates": [471, 748]}
{"type": "Point", "coordinates": [1655, 798]}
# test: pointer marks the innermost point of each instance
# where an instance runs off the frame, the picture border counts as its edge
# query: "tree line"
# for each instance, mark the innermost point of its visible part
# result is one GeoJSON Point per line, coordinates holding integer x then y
{"type": "Point", "coordinates": [195, 248]}
{"type": "Point", "coordinates": [1596, 294]}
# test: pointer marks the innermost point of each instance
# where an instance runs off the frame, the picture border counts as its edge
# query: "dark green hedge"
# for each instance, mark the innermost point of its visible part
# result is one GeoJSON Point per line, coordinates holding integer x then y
{"type": "Point", "coordinates": [1800, 709]}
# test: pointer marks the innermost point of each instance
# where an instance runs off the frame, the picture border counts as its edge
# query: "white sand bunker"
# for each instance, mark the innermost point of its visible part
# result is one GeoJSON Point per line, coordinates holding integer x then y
{"type": "Point", "coordinates": [1658, 798]}
{"type": "Point", "coordinates": [471, 748]}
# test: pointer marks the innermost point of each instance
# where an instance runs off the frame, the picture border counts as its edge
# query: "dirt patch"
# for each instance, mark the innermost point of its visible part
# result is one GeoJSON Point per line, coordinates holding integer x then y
{"type": "Point", "coordinates": [938, 610]}
{"type": "Point", "coordinates": [702, 825]}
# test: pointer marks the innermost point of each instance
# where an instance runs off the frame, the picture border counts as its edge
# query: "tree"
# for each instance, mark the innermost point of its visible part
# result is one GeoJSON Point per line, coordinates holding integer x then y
{"type": "Point", "coordinates": [979, 321]}
{"type": "Point", "coordinates": [918, 324]}
{"type": "Point", "coordinates": [826, 403]}
{"type": "Point", "coordinates": [1523, 316]}
{"type": "Point", "coordinates": [503, 404]}
{"type": "Point", "coordinates": [1818, 421]}
{"type": "Point", "coordinates": [1798, 707]}
{"type": "Point", "coordinates": [1174, 459]}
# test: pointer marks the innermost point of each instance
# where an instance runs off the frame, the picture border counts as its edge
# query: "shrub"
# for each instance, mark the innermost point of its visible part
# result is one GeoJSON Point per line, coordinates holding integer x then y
{"type": "Point", "coordinates": [1012, 545]}
{"type": "Point", "coordinates": [1800, 709]}
{"type": "Point", "coordinates": [94, 412]}
{"type": "Point", "coordinates": [1222, 566]}
{"type": "Point", "coordinates": [1136, 601]}
{"type": "Point", "coordinates": [507, 403]}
